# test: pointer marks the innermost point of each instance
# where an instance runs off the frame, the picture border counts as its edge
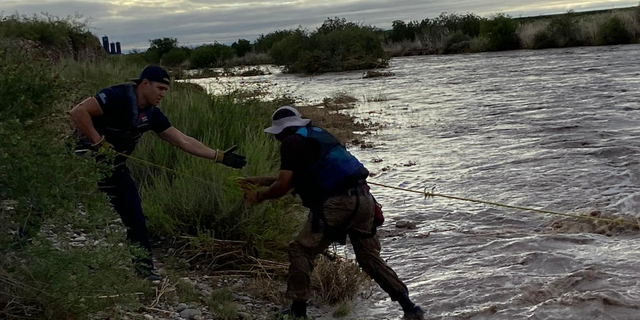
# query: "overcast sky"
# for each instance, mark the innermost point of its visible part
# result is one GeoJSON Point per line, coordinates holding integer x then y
{"type": "Point", "coordinates": [134, 22]}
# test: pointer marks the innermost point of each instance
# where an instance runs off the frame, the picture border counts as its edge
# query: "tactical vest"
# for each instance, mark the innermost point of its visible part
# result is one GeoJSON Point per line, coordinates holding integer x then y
{"type": "Point", "coordinates": [123, 132]}
{"type": "Point", "coordinates": [336, 169]}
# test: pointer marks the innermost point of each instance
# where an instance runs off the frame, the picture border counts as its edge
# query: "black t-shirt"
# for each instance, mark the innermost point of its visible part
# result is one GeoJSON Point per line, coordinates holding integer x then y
{"type": "Point", "coordinates": [122, 122]}
{"type": "Point", "coordinates": [297, 154]}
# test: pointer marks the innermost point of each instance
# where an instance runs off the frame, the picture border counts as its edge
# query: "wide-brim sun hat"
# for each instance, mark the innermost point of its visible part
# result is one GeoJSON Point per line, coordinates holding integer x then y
{"type": "Point", "coordinates": [286, 117]}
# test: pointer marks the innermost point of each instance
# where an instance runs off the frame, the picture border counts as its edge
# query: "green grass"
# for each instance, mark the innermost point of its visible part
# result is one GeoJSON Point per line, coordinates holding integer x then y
{"type": "Point", "coordinates": [181, 205]}
{"type": "Point", "coordinates": [343, 310]}
{"type": "Point", "coordinates": [50, 187]}
{"type": "Point", "coordinates": [222, 306]}
{"type": "Point", "coordinates": [187, 291]}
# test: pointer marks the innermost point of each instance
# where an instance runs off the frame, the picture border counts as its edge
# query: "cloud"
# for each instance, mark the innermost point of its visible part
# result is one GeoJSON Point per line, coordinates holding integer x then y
{"type": "Point", "coordinates": [134, 22]}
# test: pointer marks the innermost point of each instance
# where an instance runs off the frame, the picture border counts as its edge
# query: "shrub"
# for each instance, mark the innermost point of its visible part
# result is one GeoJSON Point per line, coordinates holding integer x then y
{"type": "Point", "coordinates": [242, 47]}
{"type": "Point", "coordinates": [458, 43]}
{"type": "Point", "coordinates": [288, 50]}
{"type": "Point", "coordinates": [613, 32]}
{"type": "Point", "coordinates": [264, 43]}
{"type": "Point", "coordinates": [50, 186]}
{"type": "Point", "coordinates": [208, 56]}
{"type": "Point", "coordinates": [564, 31]}
{"type": "Point", "coordinates": [543, 40]}
{"type": "Point", "coordinates": [175, 57]}
{"type": "Point", "coordinates": [335, 46]}
{"type": "Point", "coordinates": [500, 32]}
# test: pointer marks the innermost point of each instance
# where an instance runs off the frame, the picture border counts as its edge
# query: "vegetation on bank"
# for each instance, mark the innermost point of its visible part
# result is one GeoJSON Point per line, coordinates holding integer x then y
{"type": "Point", "coordinates": [62, 248]}
{"type": "Point", "coordinates": [47, 193]}
{"type": "Point", "coordinates": [455, 33]}
{"type": "Point", "coordinates": [340, 45]}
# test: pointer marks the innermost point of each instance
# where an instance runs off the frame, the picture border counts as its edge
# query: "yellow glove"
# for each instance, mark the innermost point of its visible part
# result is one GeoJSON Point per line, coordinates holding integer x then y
{"type": "Point", "coordinates": [103, 147]}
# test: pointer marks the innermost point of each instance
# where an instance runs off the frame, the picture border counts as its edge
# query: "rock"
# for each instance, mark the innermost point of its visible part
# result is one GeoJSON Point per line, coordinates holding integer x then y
{"type": "Point", "coordinates": [242, 307]}
{"type": "Point", "coordinates": [201, 286]}
{"type": "Point", "coordinates": [205, 293]}
{"type": "Point", "coordinates": [148, 317]}
{"type": "Point", "coordinates": [403, 224]}
{"type": "Point", "coordinates": [162, 272]}
{"type": "Point", "coordinates": [190, 313]}
{"type": "Point", "coordinates": [80, 239]}
{"type": "Point", "coordinates": [244, 316]}
{"type": "Point", "coordinates": [196, 317]}
{"type": "Point", "coordinates": [181, 307]}
{"type": "Point", "coordinates": [171, 250]}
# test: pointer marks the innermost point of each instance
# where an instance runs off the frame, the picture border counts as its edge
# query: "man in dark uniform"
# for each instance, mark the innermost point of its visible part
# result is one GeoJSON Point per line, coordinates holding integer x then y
{"type": "Point", "coordinates": [332, 184]}
{"type": "Point", "coordinates": [116, 118]}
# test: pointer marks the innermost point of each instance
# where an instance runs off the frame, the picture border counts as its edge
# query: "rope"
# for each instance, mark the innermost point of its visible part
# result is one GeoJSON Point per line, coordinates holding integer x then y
{"type": "Point", "coordinates": [425, 193]}
{"type": "Point", "coordinates": [431, 194]}
{"type": "Point", "coordinates": [167, 169]}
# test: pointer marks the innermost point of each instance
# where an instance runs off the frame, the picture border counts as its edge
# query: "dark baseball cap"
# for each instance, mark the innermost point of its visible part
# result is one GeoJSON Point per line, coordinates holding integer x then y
{"type": "Point", "coordinates": [155, 74]}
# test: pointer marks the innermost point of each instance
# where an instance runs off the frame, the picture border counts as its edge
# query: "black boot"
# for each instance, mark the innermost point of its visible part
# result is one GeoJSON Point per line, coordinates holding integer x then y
{"type": "Point", "coordinates": [411, 311]}
{"type": "Point", "coordinates": [297, 311]}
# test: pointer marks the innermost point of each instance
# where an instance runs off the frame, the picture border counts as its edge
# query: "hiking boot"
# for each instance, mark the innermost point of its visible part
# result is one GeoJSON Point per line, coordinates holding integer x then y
{"type": "Point", "coordinates": [415, 314]}
{"type": "Point", "coordinates": [152, 276]}
{"type": "Point", "coordinates": [287, 314]}
{"type": "Point", "coordinates": [148, 274]}
{"type": "Point", "coordinates": [297, 311]}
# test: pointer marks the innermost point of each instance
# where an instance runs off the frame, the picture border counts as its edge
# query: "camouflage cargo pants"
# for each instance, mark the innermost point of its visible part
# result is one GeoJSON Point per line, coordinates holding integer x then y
{"type": "Point", "coordinates": [307, 245]}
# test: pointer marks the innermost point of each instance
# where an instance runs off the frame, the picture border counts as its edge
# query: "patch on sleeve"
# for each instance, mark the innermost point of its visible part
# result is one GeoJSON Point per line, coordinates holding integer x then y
{"type": "Point", "coordinates": [103, 97]}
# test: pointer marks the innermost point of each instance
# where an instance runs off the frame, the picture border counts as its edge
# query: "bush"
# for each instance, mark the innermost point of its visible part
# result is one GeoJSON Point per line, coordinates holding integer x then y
{"type": "Point", "coordinates": [478, 44]}
{"type": "Point", "coordinates": [66, 284]}
{"type": "Point", "coordinates": [287, 51]}
{"type": "Point", "coordinates": [50, 186]}
{"type": "Point", "coordinates": [264, 43]}
{"type": "Point", "coordinates": [543, 40]}
{"type": "Point", "coordinates": [242, 47]}
{"type": "Point", "coordinates": [163, 46]}
{"type": "Point", "coordinates": [500, 32]}
{"type": "Point", "coordinates": [335, 46]}
{"type": "Point", "coordinates": [152, 56]}
{"type": "Point", "coordinates": [458, 43]}
{"type": "Point", "coordinates": [48, 30]}
{"type": "Point", "coordinates": [175, 57]}
{"type": "Point", "coordinates": [564, 31]}
{"type": "Point", "coordinates": [209, 56]}
{"type": "Point", "coordinates": [613, 32]}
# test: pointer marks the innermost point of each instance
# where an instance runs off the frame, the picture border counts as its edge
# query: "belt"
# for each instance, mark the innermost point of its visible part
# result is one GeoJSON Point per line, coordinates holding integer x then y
{"type": "Point", "coordinates": [360, 190]}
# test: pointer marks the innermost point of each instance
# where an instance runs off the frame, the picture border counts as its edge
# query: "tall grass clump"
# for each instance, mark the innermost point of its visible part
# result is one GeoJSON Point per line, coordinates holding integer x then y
{"type": "Point", "coordinates": [44, 186]}
{"type": "Point", "coordinates": [179, 204]}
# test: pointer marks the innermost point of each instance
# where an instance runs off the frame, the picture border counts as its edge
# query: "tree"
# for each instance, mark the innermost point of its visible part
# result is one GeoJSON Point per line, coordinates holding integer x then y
{"type": "Point", "coordinates": [163, 46]}
{"type": "Point", "coordinates": [242, 47]}
{"type": "Point", "coordinates": [399, 30]}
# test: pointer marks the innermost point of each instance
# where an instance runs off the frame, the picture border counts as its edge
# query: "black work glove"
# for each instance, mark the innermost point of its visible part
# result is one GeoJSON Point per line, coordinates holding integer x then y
{"type": "Point", "coordinates": [230, 159]}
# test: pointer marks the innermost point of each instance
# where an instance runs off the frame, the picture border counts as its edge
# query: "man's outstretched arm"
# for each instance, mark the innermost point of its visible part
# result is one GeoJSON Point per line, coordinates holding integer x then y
{"type": "Point", "coordinates": [192, 146]}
